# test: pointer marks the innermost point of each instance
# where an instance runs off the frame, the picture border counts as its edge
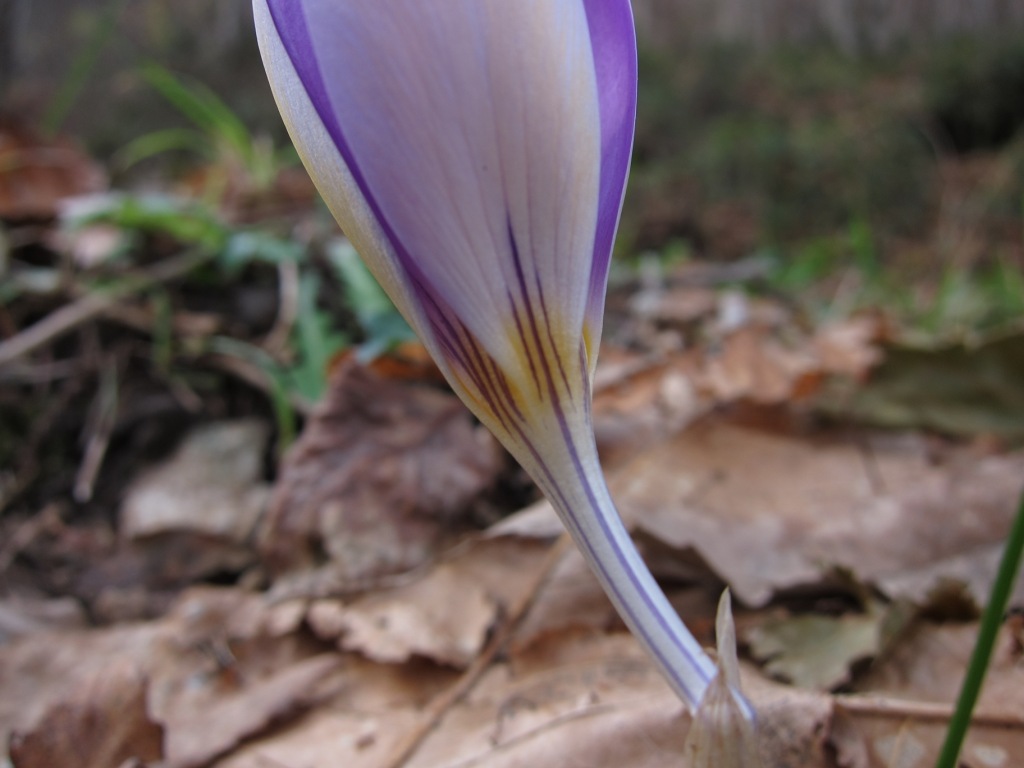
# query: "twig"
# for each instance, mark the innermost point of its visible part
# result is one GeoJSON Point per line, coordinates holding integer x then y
{"type": "Point", "coordinates": [46, 521]}
{"type": "Point", "coordinates": [185, 324]}
{"type": "Point", "coordinates": [445, 701]}
{"type": "Point", "coordinates": [255, 376]}
{"type": "Point", "coordinates": [922, 711]}
{"type": "Point", "coordinates": [276, 342]}
{"type": "Point", "coordinates": [44, 373]}
{"type": "Point", "coordinates": [69, 317]}
{"type": "Point", "coordinates": [28, 467]}
{"type": "Point", "coordinates": [100, 427]}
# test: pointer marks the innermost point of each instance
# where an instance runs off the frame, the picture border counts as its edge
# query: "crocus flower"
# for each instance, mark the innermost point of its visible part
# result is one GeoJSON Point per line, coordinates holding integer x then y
{"type": "Point", "coordinates": [476, 154]}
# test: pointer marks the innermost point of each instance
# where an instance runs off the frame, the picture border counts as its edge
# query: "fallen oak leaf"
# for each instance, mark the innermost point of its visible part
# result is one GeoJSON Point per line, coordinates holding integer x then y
{"type": "Point", "coordinates": [419, 617]}
{"type": "Point", "coordinates": [901, 708]}
{"type": "Point", "coordinates": [753, 366]}
{"type": "Point", "coordinates": [964, 388]}
{"type": "Point", "coordinates": [572, 600]}
{"type": "Point", "coordinates": [816, 651]}
{"type": "Point", "coordinates": [442, 617]}
{"type": "Point", "coordinates": [25, 615]}
{"type": "Point", "coordinates": [36, 174]}
{"type": "Point", "coordinates": [209, 487]}
{"type": "Point", "coordinates": [770, 510]}
{"type": "Point", "coordinates": [102, 722]}
{"type": "Point", "coordinates": [203, 727]}
{"type": "Point", "coordinates": [195, 513]}
{"type": "Point", "coordinates": [594, 700]}
{"type": "Point", "coordinates": [360, 727]}
{"type": "Point", "coordinates": [381, 474]}
{"type": "Point", "coordinates": [39, 671]}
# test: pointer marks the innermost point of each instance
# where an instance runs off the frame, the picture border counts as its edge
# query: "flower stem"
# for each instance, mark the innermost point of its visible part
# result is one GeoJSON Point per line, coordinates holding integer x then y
{"type": "Point", "coordinates": [991, 621]}
{"type": "Point", "coordinates": [586, 508]}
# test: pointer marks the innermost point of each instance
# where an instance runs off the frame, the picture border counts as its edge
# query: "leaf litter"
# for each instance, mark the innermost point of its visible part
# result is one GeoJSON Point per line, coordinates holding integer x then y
{"type": "Point", "coordinates": [382, 475]}
{"type": "Point", "coordinates": [392, 635]}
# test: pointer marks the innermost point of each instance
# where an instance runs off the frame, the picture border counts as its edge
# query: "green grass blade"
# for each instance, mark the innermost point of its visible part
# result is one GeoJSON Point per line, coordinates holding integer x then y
{"type": "Point", "coordinates": [202, 106]}
{"type": "Point", "coordinates": [991, 621]}
{"type": "Point", "coordinates": [81, 69]}
{"type": "Point", "coordinates": [159, 142]}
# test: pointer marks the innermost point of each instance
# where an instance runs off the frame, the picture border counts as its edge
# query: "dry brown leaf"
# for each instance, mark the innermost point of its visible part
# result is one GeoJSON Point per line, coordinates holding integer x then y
{"type": "Point", "coordinates": [236, 671]}
{"type": "Point", "coordinates": [233, 674]}
{"type": "Point", "coordinates": [678, 305]}
{"type": "Point", "coordinates": [597, 701]}
{"type": "Point", "coordinates": [572, 599]}
{"type": "Point", "coordinates": [361, 727]}
{"type": "Point", "coordinates": [191, 516]}
{"type": "Point", "coordinates": [849, 347]}
{"type": "Point", "coordinates": [380, 473]}
{"type": "Point", "coordinates": [638, 402]}
{"type": "Point", "coordinates": [25, 615]}
{"type": "Point", "coordinates": [326, 617]}
{"type": "Point", "coordinates": [209, 487]}
{"type": "Point", "coordinates": [219, 672]}
{"type": "Point", "coordinates": [36, 174]}
{"type": "Point", "coordinates": [769, 511]}
{"type": "Point", "coordinates": [223, 684]}
{"type": "Point", "coordinates": [100, 723]}
{"type": "Point", "coordinates": [207, 721]}
{"type": "Point", "coordinates": [39, 671]}
{"type": "Point", "coordinates": [928, 666]}
{"type": "Point", "coordinates": [537, 521]}
{"type": "Point", "coordinates": [331, 737]}
{"type": "Point", "coordinates": [205, 614]}
{"type": "Point", "coordinates": [444, 617]}
{"type": "Point", "coordinates": [505, 567]}
{"type": "Point", "coordinates": [753, 366]}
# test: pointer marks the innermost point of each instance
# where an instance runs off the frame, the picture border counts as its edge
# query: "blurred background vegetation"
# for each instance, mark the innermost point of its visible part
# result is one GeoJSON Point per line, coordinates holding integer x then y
{"type": "Point", "coordinates": [842, 155]}
{"type": "Point", "coordinates": [814, 134]}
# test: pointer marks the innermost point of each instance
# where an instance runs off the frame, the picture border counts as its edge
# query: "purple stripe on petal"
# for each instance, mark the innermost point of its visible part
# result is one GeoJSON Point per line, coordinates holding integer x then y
{"type": "Point", "coordinates": [531, 316]}
{"type": "Point", "coordinates": [521, 332]}
{"type": "Point", "coordinates": [555, 350]}
{"type": "Point", "coordinates": [613, 40]}
{"type": "Point", "coordinates": [290, 20]}
{"type": "Point", "coordinates": [292, 27]}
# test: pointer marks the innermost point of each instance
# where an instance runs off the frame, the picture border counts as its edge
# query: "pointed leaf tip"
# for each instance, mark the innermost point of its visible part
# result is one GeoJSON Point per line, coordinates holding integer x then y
{"type": "Point", "coordinates": [723, 733]}
{"type": "Point", "coordinates": [725, 633]}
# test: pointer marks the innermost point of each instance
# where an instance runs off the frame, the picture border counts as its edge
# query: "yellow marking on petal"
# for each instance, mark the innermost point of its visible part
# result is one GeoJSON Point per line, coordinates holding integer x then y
{"type": "Point", "coordinates": [469, 394]}
{"type": "Point", "coordinates": [495, 411]}
{"type": "Point", "coordinates": [588, 343]}
{"type": "Point", "coordinates": [557, 352]}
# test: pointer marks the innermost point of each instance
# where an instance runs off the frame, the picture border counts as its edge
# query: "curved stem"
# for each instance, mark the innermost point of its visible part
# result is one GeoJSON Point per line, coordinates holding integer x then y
{"type": "Point", "coordinates": [586, 508]}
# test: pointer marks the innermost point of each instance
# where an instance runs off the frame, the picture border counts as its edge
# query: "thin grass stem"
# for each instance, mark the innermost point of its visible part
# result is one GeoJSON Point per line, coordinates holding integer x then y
{"type": "Point", "coordinates": [991, 621]}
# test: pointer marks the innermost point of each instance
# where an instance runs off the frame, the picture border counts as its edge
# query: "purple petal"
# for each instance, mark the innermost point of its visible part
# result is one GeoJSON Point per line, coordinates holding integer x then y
{"type": "Point", "coordinates": [457, 122]}
{"type": "Point", "coordinates": [613, 40]}
{"type": "Point", "coordinates": [293, 29]}
{"type": "Point", "coordinates": [485, 145]}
